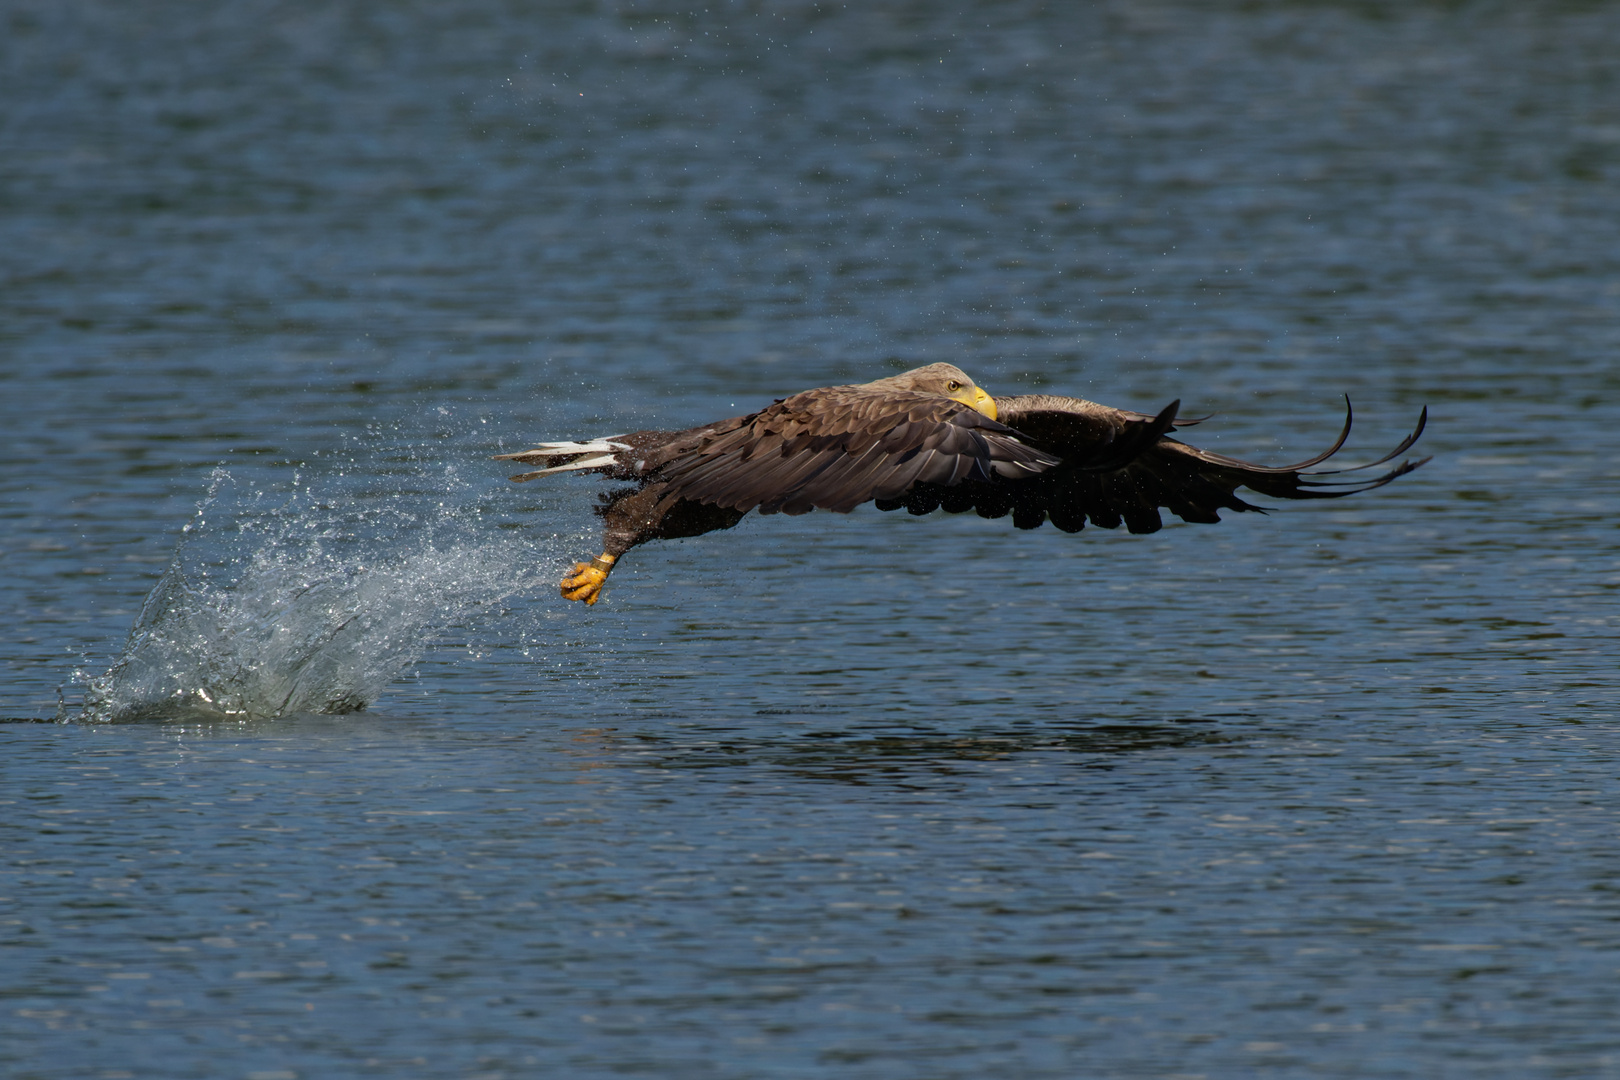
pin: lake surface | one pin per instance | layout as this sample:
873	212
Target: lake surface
1330	792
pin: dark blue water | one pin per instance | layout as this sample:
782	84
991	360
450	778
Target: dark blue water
1326	793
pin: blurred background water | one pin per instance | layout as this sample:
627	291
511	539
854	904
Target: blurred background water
1326	793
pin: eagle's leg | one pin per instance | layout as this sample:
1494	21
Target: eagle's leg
629	517
632	516
585	583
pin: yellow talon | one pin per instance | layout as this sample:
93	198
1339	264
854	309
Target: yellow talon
585	583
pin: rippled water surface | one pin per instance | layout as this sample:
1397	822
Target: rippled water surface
1326	793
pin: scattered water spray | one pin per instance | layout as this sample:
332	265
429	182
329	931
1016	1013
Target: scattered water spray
313	600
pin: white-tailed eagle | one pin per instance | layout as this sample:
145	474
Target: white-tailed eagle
925	440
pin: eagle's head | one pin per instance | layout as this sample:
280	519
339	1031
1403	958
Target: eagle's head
947	380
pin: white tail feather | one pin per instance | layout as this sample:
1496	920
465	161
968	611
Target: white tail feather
565	449
586	455
583	463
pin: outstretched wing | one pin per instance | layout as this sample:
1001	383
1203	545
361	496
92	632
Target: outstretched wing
839	446
1123	467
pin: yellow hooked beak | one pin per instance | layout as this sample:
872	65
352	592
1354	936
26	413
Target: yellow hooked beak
977	399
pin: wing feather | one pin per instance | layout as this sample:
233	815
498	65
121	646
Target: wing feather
838	447
1122	468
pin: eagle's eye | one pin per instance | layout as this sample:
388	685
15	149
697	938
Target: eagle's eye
953	386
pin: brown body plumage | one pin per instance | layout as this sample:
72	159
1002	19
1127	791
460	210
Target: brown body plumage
923	440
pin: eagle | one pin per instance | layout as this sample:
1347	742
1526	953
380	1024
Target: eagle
925	440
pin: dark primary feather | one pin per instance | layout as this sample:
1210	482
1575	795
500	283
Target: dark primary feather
1121	467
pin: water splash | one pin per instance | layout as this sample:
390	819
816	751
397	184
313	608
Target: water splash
308	602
